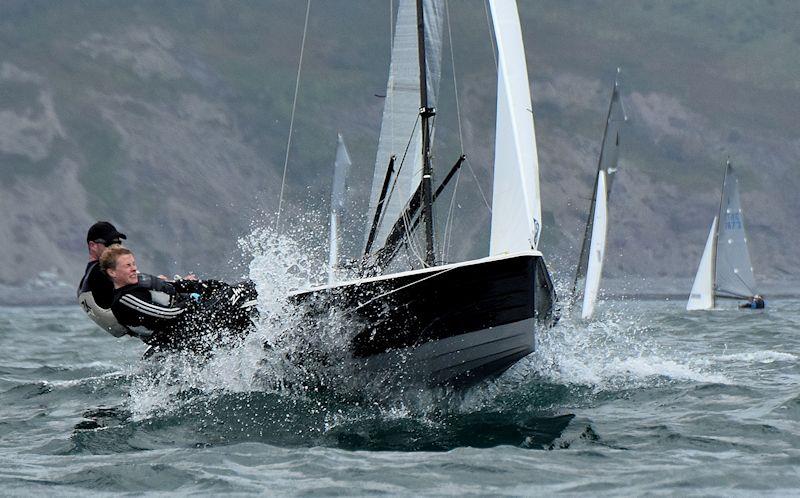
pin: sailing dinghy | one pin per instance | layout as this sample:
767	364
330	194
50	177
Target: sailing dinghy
456	323
725	270
593	247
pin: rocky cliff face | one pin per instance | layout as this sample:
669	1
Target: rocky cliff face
172	122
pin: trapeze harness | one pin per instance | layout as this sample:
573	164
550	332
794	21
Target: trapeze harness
95	295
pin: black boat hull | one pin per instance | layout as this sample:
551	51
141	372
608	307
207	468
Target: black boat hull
453	324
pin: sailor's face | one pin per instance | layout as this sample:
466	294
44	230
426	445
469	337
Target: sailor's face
124	273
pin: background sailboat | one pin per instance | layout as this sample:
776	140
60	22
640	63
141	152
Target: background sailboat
725	270
593	247
341	166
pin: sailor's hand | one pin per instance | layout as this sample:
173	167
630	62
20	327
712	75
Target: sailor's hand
163	277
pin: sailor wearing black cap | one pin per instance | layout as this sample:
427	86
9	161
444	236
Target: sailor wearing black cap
96	291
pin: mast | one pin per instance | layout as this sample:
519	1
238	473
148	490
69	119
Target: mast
425	113
716	234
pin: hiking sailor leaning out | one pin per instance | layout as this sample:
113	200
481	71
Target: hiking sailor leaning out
96	291
173	314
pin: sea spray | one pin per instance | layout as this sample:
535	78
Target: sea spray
284	353
289	364
615	351
278	264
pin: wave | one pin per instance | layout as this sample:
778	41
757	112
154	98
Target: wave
758	357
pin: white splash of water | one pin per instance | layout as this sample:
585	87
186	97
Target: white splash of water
279	264
758	357
615	351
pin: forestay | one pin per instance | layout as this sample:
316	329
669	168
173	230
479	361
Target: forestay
400	130
516	207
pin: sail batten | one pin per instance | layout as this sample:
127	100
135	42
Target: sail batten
516	206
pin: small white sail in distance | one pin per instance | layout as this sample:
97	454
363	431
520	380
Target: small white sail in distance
516	207
702	295
341	166
597	248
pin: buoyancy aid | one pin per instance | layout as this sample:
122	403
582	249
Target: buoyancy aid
103	317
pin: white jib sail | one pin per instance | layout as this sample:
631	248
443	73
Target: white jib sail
597	248
702	295
516	208
340	169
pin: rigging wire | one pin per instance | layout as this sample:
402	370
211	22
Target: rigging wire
391	28
397	174
478	183
491	30
458	103
494	56
448	234
448	223
410	284
455	80
291	121
411	242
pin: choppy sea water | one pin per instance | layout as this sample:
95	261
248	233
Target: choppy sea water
645	399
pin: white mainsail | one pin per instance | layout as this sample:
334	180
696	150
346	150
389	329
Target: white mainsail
734	273
702	295
341	166
607	164
516	206
400	127
597	248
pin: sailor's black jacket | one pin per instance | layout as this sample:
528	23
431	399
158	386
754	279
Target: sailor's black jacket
184	313
154	309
